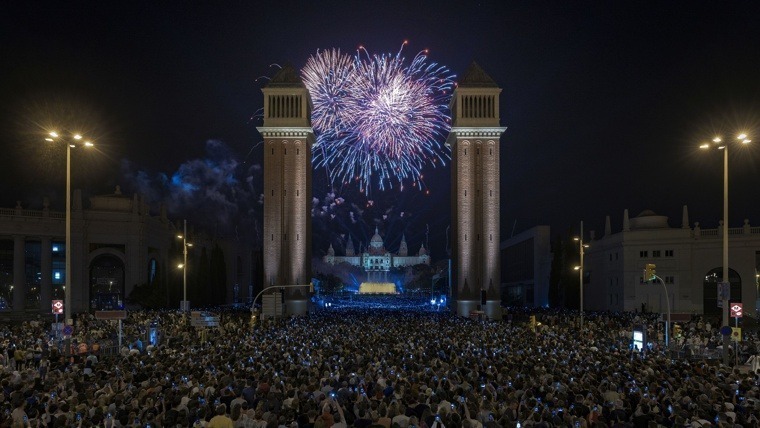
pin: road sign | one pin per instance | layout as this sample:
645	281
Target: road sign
68	330
271	305
110	315
736	310
736	334
57	307
203	319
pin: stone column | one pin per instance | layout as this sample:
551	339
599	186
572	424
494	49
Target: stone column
19	276
46	277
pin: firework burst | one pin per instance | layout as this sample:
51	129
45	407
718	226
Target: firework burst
378	119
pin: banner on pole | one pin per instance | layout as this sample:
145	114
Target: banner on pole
724	292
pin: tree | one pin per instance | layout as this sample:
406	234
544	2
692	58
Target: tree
328	283
419	277
147	295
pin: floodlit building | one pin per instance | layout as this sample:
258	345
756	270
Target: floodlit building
687	258
116	245
376	260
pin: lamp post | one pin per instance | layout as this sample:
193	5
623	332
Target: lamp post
70	144
721	145
185	244
651	275
581	249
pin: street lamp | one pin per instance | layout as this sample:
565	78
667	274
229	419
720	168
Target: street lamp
73	141
581	247
185	307
725	283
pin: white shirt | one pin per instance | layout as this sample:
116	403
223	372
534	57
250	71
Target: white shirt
401	420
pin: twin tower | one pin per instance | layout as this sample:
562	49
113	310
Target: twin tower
475	191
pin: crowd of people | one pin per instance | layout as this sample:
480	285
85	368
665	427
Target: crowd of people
343	367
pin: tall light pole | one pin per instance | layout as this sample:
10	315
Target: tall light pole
581	248
71	143
650	274
184	306
721	145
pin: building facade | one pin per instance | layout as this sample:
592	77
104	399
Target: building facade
687	258
116	245
475	193
526	261
376	261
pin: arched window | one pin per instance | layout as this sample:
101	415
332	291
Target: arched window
106	283
710	289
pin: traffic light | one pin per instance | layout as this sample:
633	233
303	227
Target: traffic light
676	330
649	272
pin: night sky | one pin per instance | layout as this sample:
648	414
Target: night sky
605	104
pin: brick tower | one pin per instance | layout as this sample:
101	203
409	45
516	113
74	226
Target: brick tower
474	143
288	138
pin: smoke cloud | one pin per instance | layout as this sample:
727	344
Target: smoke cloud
217	193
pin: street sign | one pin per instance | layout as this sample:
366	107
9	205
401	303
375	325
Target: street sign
110	315
736	310
736	334
68	330
57	307
203	319
271	306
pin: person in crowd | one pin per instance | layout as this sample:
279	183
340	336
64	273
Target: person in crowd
366	367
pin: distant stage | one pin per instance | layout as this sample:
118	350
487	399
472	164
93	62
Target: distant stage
394	301
377	288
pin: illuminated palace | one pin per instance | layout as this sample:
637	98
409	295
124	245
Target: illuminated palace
474	141
377	261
